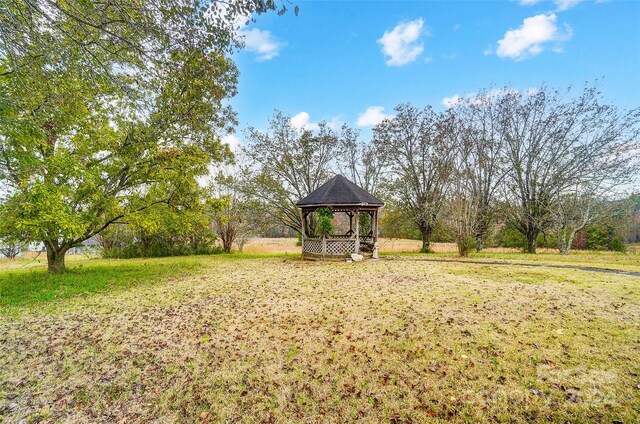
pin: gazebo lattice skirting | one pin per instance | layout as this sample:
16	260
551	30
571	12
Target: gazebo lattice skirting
342	196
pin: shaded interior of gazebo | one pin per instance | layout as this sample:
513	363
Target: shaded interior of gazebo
342	196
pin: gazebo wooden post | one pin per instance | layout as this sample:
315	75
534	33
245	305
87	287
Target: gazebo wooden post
350	214
375	234
357	243
304	228
324	245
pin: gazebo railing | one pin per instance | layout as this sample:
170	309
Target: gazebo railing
332	246
335	245
312	245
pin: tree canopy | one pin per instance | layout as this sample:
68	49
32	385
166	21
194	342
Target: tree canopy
109	108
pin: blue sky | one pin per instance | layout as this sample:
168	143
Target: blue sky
353	61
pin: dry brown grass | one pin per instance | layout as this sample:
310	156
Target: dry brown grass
260	340
288	245
272	245
388	247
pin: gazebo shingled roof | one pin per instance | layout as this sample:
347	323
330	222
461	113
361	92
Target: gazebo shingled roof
339	191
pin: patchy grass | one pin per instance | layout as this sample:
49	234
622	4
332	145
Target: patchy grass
25	283
272	339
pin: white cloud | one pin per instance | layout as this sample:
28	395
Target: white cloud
565	4
261	43
528	40
402	44
336	122
450	102
561	5
479	98
532	91
303	121
232	141
528	2
371	117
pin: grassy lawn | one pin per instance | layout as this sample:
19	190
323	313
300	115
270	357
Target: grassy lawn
33	287
251	339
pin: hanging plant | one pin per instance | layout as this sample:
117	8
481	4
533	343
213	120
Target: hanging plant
325	221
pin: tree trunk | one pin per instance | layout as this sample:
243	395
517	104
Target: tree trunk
532	235
482	226
479	243
565	240
226	245
55	259
463	248
426	238
227	238
311	225
241	242
227	234
481	234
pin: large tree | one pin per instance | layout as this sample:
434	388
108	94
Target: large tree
235	217
555	142
363	162
465	195
286	163
78	161
109	108
592	188
480	158
419	147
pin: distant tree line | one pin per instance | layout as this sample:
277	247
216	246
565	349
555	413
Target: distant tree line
503	166
500	168
111	118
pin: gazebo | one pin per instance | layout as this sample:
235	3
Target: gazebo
341	195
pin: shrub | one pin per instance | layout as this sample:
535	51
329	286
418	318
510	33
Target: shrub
125	241
604	237
510	237
140	251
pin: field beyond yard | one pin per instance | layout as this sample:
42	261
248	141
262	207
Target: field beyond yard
250	338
